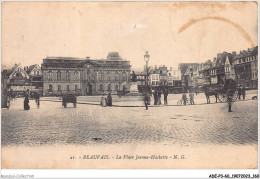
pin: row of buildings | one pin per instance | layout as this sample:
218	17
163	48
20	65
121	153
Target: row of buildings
82	76
85	76
242	67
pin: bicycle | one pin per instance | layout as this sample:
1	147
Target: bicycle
181	102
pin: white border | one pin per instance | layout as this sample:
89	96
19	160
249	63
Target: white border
130	173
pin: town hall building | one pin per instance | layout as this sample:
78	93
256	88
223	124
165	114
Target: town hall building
86	76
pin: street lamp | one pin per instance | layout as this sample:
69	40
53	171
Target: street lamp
146	59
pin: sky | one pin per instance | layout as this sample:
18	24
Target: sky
172	32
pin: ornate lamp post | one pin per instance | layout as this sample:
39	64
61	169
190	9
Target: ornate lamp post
146	59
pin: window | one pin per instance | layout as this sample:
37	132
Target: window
101	87
68	87
124	77
109	87
116	79
49	76
76	75
116	87
153	82
59	88
76	88
58	76
50	88
67	75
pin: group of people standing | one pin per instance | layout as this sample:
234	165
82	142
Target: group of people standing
157	94
185	99
106	101
26	102
241	91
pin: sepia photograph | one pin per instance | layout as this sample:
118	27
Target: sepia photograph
129	85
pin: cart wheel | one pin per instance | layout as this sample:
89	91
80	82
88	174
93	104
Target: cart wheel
179	102
187	102
232	94
222	98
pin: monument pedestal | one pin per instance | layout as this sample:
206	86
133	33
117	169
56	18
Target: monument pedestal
133	90
133	87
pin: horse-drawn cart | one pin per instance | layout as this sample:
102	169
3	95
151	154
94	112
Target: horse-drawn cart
222	92
228	90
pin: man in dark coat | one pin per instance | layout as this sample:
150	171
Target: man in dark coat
26	102
184	98
159	97
165	96
37	99
146	101
109	99
229	100
239	92
243	91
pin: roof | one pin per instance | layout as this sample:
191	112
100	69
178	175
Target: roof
71	62
30	68
11	70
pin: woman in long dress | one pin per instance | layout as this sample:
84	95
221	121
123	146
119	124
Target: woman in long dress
26	102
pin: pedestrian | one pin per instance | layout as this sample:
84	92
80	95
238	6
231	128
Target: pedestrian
109	99
26	102
184	98
243	91
191	98
146	101
8	99
155	95
159	97
103	102
37	99
239	93
229	99
165	94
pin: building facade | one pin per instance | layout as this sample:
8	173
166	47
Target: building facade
16	79
35	75
85	76
246	68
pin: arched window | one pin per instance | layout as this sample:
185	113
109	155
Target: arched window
124	77
76	75
49	76
101	87
67	75
58	76
50	88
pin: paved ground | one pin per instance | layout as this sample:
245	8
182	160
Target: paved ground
184	125
138	100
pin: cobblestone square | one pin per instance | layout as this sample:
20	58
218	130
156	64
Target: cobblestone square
87	124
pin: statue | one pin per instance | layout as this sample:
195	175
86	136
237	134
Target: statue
134	79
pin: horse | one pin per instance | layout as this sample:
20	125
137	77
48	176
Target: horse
209	93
